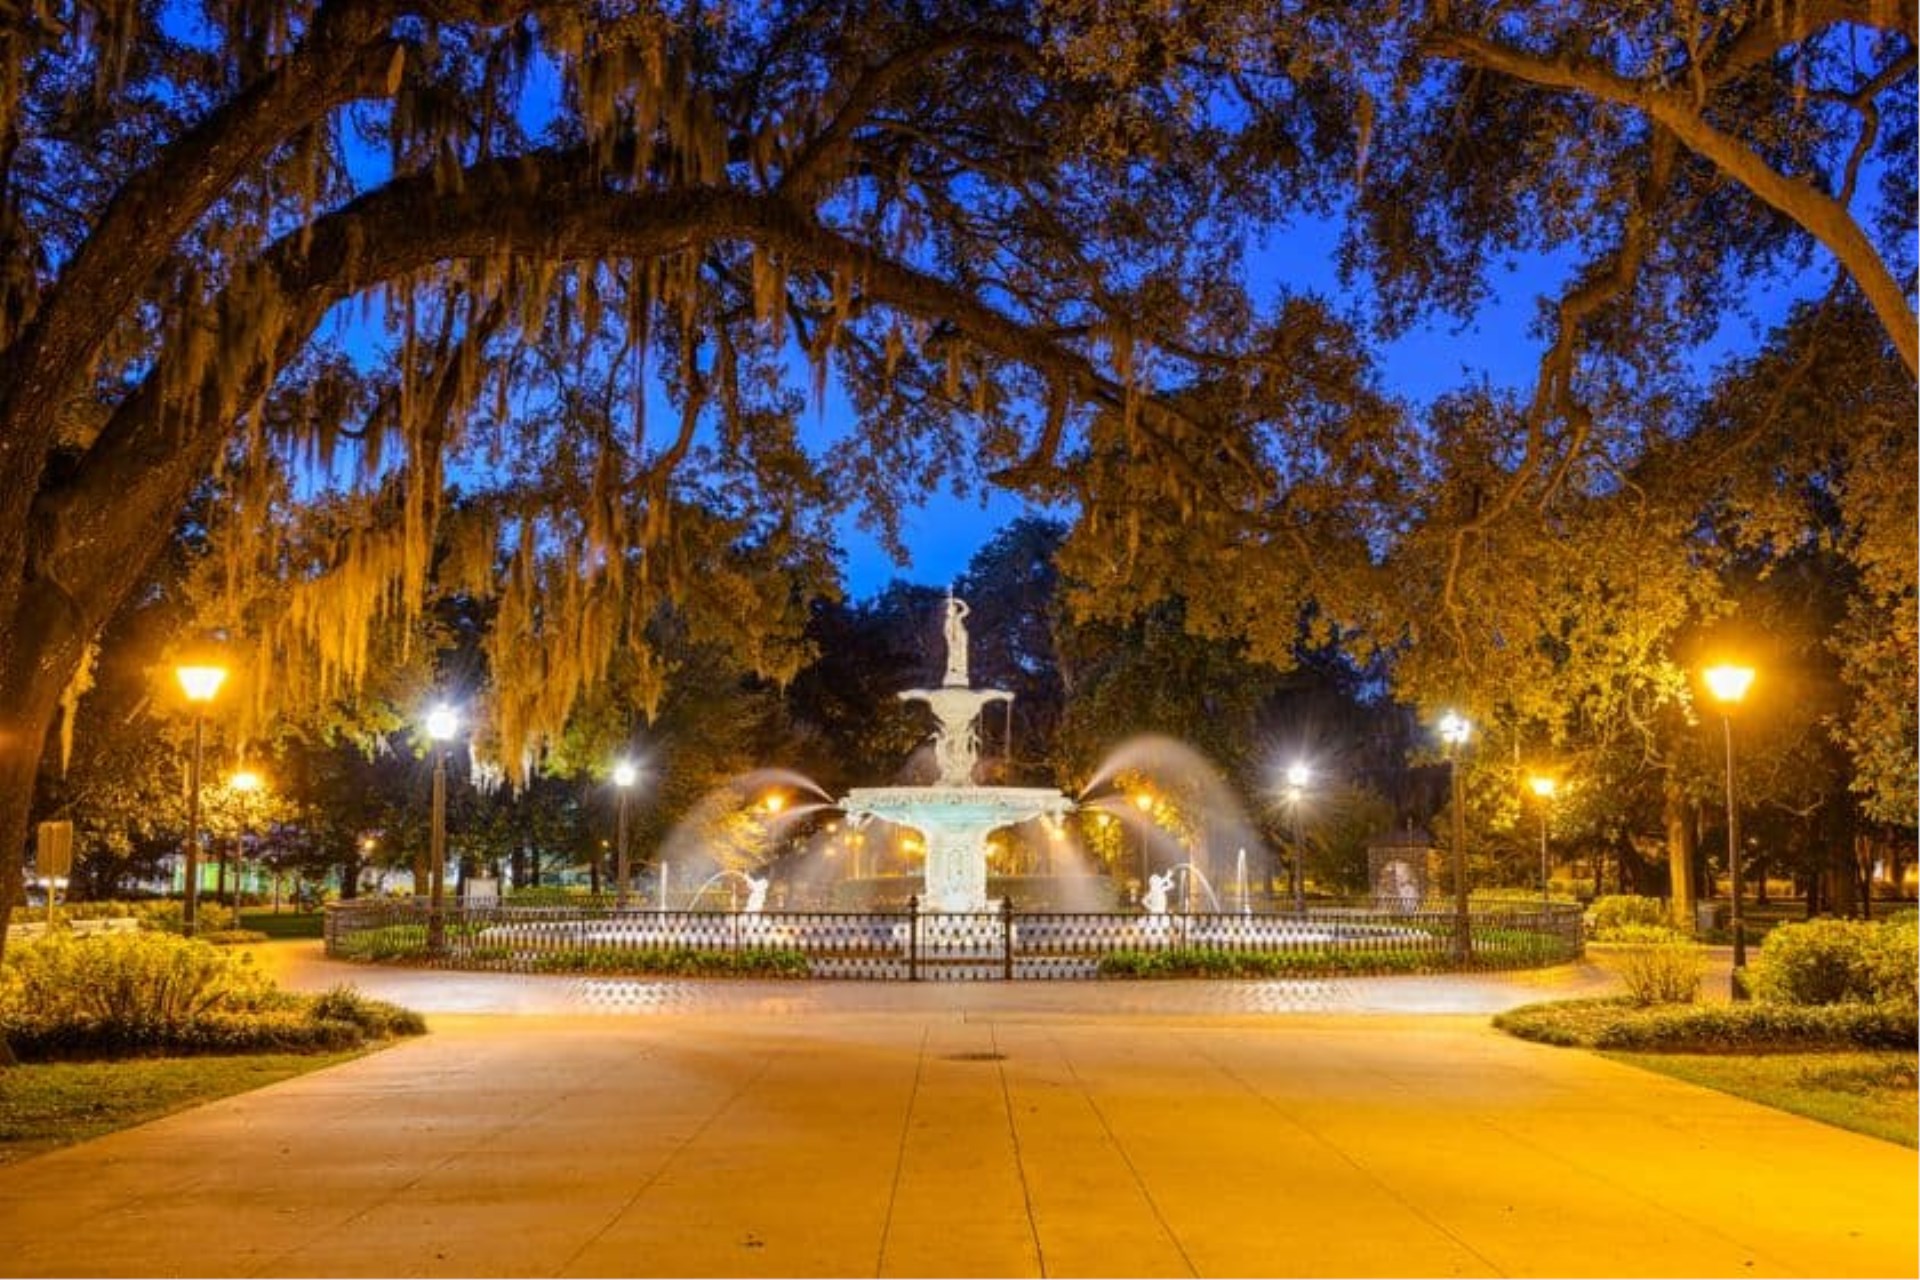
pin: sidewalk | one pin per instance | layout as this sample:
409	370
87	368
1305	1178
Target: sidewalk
1078	1129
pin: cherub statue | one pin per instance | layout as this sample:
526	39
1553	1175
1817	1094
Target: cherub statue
756	894
1155	898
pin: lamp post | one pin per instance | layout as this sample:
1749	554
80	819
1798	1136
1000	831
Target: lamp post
442	723
1143	801
1728	682
244	783
199	683
1543	787
1298	776
624	776
1454	731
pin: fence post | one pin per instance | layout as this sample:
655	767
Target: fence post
913	938
1006	937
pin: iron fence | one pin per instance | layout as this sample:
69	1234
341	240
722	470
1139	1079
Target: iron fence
598	936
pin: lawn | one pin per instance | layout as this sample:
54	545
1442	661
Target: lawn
46	1105
284	924
1868	1092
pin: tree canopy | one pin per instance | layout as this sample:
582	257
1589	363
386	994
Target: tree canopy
529	309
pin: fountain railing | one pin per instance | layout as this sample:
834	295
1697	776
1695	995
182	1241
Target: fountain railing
596	936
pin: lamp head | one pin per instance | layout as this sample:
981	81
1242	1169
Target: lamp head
442	723
1454	728
1543	786
246	781
1143	801
1298	775
1728	681
624	774
200	682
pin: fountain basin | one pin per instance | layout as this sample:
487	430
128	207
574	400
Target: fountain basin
955	823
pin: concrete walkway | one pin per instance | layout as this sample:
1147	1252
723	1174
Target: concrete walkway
1079	1129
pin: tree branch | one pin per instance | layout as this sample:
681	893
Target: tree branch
1797	199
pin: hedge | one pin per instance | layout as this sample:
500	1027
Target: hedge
1713	1028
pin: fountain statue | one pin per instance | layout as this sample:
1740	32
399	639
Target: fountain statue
1154	900
954	815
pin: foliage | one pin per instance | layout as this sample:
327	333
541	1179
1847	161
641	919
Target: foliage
153	993
376	1019
1198	962
1613	912
1823	962
1756	1027
678	962
1661	970
165	915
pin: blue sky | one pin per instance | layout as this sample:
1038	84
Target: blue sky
944	532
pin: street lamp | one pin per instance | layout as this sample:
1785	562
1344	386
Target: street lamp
1298	776
1728	682
1543	787
1143	801
199	683
442	723
1454	731
624	776
244	783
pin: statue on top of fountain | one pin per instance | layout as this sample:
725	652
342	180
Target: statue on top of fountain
955	704
956	633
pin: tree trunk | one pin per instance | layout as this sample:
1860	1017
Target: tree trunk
1680	855
1843	889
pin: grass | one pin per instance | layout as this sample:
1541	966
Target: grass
47	1105
283	924
1871	1093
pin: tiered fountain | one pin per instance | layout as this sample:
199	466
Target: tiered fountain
954	816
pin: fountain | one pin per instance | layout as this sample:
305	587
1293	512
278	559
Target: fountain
756	887
954	816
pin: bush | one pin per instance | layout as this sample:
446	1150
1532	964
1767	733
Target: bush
1712	1028
679	962
131	979
1195	962
114	995
167	915
1818	962
1662	970
1618	911
374	1018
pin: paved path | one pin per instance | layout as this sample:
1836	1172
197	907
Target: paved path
1086	1129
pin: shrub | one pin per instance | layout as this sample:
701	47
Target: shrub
1835	962
1712	1028
681	962
1662	970
131	979
1195	962
112	995
375	1018
166	915
1618	911
1718	1028
1894	963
